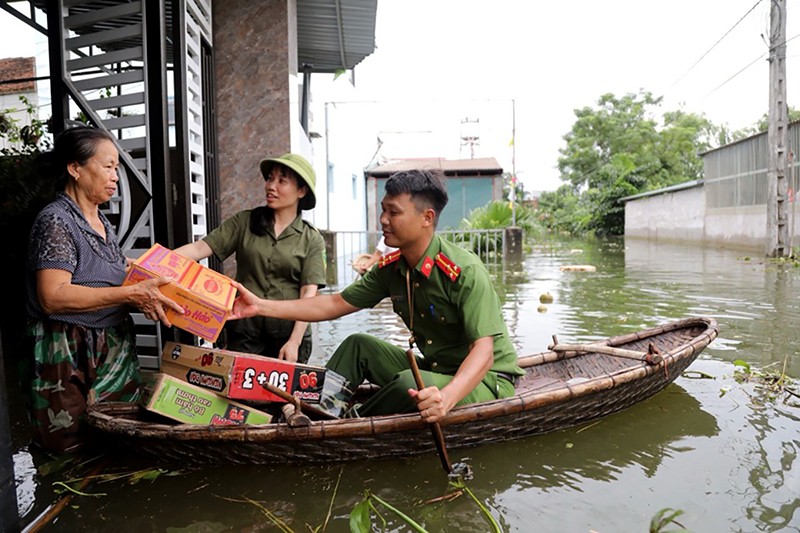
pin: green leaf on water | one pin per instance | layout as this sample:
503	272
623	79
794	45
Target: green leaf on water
743	364
664	518
359	517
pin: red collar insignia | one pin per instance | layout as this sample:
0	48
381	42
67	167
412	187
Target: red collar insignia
388	259
427	266
447	266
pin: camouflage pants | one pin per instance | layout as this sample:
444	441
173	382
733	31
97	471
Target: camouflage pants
75	365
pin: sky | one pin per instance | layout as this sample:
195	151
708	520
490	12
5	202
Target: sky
439	62
518	69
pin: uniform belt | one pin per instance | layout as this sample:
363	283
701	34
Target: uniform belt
507	377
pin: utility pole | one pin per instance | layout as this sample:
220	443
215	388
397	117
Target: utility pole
777	137
513	193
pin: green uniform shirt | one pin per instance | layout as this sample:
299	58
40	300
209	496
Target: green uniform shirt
272	267
448	315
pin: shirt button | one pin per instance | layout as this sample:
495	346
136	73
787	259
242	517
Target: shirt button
441	318
422	315
416	284
429	342
434	364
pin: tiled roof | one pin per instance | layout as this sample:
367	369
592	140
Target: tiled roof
15	68
485	166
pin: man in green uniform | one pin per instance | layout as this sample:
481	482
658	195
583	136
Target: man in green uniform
444	295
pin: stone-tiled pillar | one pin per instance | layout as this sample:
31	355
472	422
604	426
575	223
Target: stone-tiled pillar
252	56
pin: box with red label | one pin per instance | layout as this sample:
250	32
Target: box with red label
206	295
241	376
181	401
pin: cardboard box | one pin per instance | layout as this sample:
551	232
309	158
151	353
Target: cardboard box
205	294
178	400
239	376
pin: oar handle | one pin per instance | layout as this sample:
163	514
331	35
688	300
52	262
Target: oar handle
436	429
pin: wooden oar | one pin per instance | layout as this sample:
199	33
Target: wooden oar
294	417
436	429
298	403
650	357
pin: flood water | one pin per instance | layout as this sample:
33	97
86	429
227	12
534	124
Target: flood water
715	449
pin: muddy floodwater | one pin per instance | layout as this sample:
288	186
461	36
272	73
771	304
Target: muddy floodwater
718	450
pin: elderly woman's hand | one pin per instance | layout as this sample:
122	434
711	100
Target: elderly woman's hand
152	302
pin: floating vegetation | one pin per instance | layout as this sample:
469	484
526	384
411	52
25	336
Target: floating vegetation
360	521
771	384
696	374
280	524
663	519
61	487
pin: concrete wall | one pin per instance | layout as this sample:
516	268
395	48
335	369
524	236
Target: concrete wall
676	216
682	216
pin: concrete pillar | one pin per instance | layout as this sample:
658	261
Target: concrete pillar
254	55
9	517
513	249
331	270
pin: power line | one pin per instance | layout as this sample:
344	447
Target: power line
714	45
746	67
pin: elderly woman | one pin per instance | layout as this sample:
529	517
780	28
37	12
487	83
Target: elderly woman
278	256
80	328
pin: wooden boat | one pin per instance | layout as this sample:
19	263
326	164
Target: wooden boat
560	389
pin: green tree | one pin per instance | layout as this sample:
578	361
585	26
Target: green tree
618	148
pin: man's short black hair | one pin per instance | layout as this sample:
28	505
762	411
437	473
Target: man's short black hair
427	188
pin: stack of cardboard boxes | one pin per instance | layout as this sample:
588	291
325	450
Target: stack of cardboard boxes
198	385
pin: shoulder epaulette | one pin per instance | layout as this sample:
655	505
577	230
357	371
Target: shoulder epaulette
388	259
447	266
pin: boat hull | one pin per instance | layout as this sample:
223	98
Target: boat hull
559	390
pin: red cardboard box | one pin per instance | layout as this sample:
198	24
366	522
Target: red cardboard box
239	375
206	295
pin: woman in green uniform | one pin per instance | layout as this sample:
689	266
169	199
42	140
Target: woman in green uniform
279	256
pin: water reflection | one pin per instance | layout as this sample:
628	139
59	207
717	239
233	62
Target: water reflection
642	436
770	464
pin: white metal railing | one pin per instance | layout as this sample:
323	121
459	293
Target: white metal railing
488	244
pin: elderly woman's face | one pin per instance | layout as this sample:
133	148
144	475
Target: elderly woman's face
97	178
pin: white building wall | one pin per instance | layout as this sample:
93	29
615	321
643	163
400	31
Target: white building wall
346	150
673	216
683	216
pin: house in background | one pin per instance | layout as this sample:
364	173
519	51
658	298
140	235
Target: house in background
471	183
20	71
728	207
